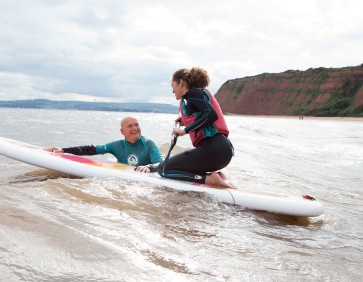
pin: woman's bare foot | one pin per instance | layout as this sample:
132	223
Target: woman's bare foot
216	179
224	178
222	175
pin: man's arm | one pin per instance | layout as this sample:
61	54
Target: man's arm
81	150
153	167
154	152
155	158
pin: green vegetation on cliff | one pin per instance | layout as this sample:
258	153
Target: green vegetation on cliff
314	92
340	103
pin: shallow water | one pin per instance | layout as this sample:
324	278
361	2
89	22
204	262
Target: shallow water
57	227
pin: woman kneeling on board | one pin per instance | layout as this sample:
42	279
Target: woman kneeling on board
204	121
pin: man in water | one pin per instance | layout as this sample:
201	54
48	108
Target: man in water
134	150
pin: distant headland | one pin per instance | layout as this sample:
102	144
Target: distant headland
91	106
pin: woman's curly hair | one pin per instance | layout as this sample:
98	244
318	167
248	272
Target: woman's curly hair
194	77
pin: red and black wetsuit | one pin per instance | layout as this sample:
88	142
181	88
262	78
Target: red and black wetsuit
208	131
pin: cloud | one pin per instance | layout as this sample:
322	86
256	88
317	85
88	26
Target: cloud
119	51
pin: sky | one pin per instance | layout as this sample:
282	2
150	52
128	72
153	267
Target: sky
127	51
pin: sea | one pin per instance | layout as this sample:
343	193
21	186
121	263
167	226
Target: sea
57	227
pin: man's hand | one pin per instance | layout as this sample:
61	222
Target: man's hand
54	150
143	169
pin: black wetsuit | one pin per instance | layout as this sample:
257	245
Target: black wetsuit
211	154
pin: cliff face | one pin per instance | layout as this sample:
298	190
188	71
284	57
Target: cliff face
317	92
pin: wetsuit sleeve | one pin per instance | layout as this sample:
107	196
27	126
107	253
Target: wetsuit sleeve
154	152
199	105
103	149
81	150
153	167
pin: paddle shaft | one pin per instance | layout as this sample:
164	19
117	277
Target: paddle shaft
173	142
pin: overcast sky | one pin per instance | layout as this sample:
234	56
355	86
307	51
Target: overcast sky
127	51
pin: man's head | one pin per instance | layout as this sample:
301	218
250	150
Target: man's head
130	128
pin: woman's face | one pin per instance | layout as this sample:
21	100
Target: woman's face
179	88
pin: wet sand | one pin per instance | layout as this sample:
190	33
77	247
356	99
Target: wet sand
358	119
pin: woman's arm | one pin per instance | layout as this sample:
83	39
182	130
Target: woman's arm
198	103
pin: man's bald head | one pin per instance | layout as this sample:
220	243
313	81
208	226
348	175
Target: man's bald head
130	128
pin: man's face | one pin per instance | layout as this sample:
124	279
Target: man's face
130	128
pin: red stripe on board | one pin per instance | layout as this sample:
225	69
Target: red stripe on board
87	161
215	187
75	158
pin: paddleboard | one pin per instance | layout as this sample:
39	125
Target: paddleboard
86	167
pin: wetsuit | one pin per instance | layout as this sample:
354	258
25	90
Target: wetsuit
213	149
141	153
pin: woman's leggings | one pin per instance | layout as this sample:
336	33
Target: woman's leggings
210	155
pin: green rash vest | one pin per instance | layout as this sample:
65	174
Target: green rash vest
141	153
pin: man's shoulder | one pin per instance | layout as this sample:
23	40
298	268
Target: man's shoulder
116	143
150	144
148	141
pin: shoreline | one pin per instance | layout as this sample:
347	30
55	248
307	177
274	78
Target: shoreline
358	119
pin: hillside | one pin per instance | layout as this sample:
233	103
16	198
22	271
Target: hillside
90	106
314	92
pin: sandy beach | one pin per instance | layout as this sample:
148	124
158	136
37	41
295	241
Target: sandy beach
358	119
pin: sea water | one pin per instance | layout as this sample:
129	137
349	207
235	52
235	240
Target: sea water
55	227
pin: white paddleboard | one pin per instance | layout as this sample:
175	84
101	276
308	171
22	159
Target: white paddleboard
84	167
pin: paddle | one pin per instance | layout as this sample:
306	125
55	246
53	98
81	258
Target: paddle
173	142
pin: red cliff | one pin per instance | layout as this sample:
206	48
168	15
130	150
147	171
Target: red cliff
317	92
